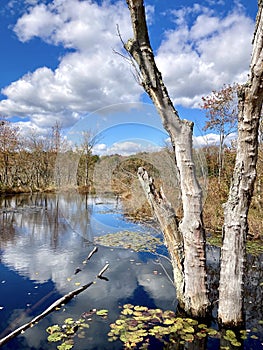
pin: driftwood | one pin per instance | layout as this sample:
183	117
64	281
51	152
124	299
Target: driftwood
63	300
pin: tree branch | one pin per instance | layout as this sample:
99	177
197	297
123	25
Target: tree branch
63	300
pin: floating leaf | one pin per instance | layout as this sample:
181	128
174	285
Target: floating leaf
127	312
56	336
70	328
54	328
140	308
201	335
211	331
84	325
137	241
254	336
188	337
65	346
102	312
204	326
230	334
137	323
235	343
69	320
168	321
191	321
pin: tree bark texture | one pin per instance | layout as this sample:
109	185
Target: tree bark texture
169	225
236	208
195	300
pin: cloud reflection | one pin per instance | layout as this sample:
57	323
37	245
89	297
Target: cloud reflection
41	254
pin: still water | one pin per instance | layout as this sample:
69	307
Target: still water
45	238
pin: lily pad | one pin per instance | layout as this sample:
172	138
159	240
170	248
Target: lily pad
71	327
138	324
102	313
137	241
56	336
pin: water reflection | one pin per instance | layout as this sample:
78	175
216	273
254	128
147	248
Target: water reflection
44	238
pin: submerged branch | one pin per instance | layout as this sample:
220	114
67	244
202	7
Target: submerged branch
63	300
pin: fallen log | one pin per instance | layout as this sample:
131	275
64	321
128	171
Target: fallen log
63	300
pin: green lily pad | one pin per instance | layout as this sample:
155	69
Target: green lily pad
56	336
201	335
254	336
211	331
65	346
236	343
54	328
65	333
138	323
102	312
69	321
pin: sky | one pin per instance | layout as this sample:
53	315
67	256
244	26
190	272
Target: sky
59	63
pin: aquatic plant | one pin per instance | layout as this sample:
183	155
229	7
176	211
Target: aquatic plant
138	324
137	241
71	328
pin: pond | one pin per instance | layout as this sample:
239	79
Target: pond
45	243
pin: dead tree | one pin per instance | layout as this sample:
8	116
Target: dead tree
236	208
194	297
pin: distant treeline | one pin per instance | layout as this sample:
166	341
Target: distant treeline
49	163
41	163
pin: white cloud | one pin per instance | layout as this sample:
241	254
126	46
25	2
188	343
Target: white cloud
88	78
195	59
100	148
212	139
125	148
39	22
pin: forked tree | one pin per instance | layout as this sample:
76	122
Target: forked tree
186	239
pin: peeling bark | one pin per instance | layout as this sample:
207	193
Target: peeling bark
169	225
236	208
194	299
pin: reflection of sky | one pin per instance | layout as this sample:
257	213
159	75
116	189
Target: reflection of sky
40	259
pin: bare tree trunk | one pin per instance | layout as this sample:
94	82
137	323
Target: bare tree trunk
169	226
194	300
236	208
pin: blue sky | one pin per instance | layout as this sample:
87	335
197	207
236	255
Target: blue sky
57	63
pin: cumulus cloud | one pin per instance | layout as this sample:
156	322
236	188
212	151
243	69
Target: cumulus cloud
125	148
199	57
89	76
212	140
200	53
